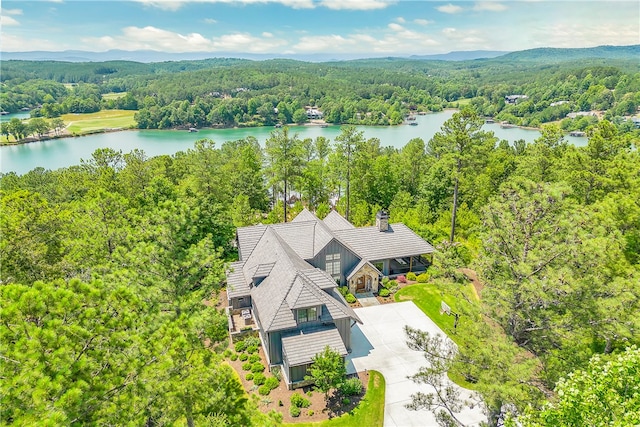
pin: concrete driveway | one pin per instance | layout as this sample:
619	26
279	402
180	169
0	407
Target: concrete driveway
380	344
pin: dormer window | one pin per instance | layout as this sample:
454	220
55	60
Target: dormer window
307	314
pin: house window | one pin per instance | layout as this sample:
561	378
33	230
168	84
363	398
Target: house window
332	265
307	314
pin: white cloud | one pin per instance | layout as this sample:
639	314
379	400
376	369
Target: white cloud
571	34
395	43
210	21
11	43
490	6
152	38
5	17
355	4
11	11
400	20
7	21
423	22
267	34
395	27
173	5
465	39
449	8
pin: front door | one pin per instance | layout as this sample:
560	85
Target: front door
360	284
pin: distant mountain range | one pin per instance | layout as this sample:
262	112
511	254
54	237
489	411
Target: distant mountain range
558	54
147	56
462	55
154	56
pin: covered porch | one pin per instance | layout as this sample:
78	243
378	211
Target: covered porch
393	267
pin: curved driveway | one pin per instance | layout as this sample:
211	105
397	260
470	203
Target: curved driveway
380	344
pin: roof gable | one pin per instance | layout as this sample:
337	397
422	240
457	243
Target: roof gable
334	221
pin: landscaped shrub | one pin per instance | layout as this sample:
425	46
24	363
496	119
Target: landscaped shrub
252	349
249	376
272	383
240	346
251	341
275	371
310	412
275	416
243	357
401	279
423	278
384	292
299	401
264	390
350	298
385	280
343	290
392	284
351	387
411	276
227	353
246	366
294	411
259	378
256	367
234	357
280	403
254	358
346	401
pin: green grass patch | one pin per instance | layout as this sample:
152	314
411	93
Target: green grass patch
462	102
93	122
370	411
113	95
428	298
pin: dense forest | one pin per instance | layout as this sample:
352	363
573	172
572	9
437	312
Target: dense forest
233	92
108	266
105	265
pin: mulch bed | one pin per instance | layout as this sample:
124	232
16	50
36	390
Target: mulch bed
281	394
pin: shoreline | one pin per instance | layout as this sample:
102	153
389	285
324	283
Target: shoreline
314	123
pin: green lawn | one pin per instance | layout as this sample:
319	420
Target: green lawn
428	297
113	95
369	413
105	119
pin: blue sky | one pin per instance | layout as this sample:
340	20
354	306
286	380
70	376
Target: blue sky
361	28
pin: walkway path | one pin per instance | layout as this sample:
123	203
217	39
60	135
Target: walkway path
367	299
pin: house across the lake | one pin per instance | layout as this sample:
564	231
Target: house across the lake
285	284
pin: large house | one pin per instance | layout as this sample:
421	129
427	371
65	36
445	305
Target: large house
285	283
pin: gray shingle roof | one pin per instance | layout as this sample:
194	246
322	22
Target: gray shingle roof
288	285
237	285
335	221
248	238
307	238
300	349
372	244
305	215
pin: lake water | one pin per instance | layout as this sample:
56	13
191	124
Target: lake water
58	153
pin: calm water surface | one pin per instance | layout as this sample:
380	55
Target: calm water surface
58	153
